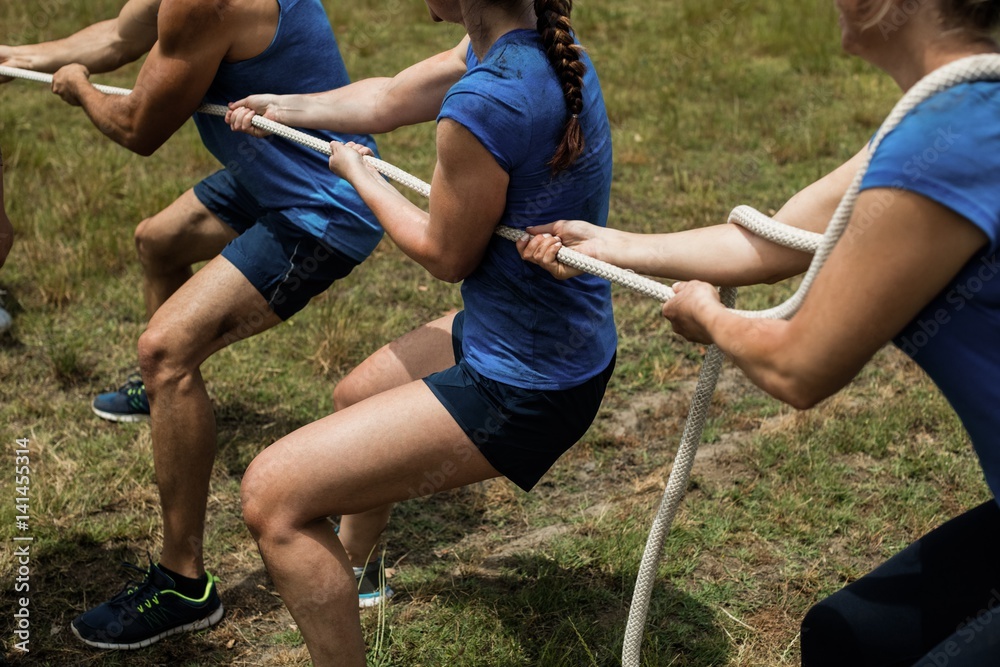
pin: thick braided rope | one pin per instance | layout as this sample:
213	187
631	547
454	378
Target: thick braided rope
973	68
967	69
577	260
680	473
610	272
284	131
767	228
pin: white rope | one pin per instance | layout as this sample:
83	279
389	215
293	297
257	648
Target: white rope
577	260
767	228
967	69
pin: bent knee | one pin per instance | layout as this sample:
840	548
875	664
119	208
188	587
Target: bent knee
266	508
164	242
152	243
253	500
154	350
375	375
350	390
344	394
164	357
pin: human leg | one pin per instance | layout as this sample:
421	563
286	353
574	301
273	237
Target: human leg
192	325
415	355
189	230
189	327
368	455
169	242
267	274
898	613
975	643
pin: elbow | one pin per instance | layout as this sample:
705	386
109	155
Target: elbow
140	145
799	392
132	136
144	151
450	269
449	274
804	400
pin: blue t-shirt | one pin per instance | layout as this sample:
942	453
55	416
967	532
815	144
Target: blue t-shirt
522	326
283	176
948	150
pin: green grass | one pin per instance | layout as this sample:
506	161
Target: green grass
713	103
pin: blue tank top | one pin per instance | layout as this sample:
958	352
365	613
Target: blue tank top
303	57
948	150
522	326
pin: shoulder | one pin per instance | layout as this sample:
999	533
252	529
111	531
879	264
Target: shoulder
948	150
508	77
952	131
950	119
191	19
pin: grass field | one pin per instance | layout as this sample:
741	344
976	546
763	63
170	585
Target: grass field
713	103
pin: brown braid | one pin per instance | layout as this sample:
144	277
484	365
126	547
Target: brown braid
557	36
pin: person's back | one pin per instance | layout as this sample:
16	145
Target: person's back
522	326
284	175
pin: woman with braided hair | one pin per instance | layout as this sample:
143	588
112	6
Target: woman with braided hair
502	388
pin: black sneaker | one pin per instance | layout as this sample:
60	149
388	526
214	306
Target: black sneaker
145	613
372	589
128	404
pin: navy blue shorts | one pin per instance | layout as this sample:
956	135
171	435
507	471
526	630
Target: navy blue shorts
287	265
521	432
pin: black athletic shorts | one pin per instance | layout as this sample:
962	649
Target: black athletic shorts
521	432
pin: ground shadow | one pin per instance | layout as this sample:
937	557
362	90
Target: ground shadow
559	616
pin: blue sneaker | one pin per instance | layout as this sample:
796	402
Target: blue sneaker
146	612
128	404
372	589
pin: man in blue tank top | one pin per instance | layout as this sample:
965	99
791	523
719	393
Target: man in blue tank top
278	227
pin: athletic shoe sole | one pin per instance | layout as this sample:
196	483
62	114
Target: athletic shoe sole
374	599
201	624
115	417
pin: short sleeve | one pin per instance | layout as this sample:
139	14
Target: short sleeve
496	115
948	150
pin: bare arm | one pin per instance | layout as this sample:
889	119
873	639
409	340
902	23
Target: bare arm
876	281
721	254
468	196
101	47
369	106
193	40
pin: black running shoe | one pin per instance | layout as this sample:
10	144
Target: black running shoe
145	613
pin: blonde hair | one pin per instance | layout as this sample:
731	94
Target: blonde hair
877	10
